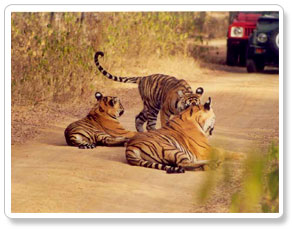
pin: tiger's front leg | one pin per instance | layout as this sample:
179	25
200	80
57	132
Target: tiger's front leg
151	119
164	118
140	119
108	140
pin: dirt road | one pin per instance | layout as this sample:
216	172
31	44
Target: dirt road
49	176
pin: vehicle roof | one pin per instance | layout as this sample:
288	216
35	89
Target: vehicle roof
272	16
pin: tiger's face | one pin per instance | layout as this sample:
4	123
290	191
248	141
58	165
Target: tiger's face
204	116
189	98
108	105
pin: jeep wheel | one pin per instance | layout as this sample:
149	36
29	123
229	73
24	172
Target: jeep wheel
252	66
274	41
232	57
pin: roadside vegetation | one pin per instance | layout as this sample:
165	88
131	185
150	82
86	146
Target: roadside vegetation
52	53
250	185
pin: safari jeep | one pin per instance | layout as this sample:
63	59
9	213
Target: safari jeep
263	45
241	27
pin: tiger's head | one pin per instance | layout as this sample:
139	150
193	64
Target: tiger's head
107	105
203	115
186	99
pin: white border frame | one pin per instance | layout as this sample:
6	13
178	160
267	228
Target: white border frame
131	8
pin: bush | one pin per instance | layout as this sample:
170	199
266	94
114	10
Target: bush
52	53
260	184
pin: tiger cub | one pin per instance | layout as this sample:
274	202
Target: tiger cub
159	92
100	127
180	145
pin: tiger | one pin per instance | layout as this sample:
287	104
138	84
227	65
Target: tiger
159	92
100	127
180	145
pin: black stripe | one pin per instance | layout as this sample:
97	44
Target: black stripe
176	155
163	152
153	149
181	160
152	118
143	151
198	143
176	102
170	112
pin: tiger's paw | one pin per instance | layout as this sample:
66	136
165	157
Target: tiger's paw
87	146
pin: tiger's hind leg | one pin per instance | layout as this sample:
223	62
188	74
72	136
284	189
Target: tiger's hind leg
181	160
80	141
152	118
141	118
133	157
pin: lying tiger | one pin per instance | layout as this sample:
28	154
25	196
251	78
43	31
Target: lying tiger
159	92
100	127
180	145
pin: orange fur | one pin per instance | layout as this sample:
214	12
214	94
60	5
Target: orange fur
181	144
100	126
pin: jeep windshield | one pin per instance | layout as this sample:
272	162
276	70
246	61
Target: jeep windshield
267	24
247	15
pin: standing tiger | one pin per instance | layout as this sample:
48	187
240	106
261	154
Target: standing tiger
100	126
158	92
180	145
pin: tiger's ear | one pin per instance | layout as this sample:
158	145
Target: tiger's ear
199	91
98	96
180	93
207	105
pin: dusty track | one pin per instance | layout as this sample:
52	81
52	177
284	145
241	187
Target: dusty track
48	176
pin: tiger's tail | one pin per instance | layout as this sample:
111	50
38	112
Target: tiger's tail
110	76
137	161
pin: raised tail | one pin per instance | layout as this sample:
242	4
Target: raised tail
110	76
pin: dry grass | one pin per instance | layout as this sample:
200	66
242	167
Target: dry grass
52	54
53	72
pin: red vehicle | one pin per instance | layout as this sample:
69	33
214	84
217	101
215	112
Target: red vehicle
241	27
